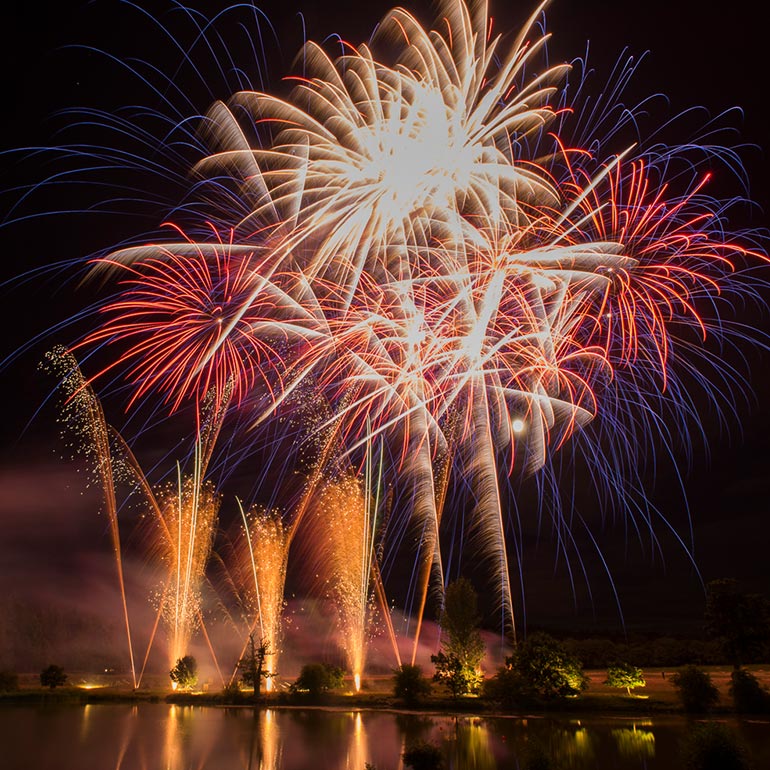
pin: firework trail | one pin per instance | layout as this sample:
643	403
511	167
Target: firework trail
343	530
189	515
84	416
182	531
182	518
426	249
258	566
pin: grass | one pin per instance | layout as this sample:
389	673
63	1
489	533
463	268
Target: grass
659	695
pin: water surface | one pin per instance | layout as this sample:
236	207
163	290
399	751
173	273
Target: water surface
160	736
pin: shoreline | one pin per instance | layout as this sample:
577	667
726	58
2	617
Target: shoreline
657	698
587	706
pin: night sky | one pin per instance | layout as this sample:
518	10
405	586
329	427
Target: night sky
52	545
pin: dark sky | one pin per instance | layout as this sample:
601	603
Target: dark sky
696	58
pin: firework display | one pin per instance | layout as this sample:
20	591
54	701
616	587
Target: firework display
344	527
260	556
434	251
188	520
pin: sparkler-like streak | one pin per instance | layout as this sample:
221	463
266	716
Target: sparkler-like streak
84	415
260	557
189	511
448	277
183	516
344	529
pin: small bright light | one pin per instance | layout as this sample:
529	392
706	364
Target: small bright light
517	425
357	681
174	685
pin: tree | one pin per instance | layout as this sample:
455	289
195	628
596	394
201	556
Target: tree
458	665
252	665
53	676
409	684
458	678
625	675
542	666
748	694
740	621
316	679
696	690
185	672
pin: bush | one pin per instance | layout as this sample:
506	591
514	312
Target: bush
53	676
696	690
317	678
457	677
545	668
508	689
748	695
424	756
9	682
713	746
232	693
185	672
625	675
409	684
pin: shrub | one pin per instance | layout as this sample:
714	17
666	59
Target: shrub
423	756
508	689
232	693
409	684
53	676
545	668
185	672
696	690
625	675
748	695
457	677
317	678
9	682
712	746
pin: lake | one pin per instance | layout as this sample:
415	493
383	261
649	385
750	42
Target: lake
154	736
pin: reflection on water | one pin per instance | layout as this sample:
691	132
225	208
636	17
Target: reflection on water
639	741
472	745
148	737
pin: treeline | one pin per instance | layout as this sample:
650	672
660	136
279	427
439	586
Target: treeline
736	632
648	652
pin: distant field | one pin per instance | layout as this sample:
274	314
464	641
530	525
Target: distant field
660	687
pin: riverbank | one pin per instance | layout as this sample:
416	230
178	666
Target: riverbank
658	697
